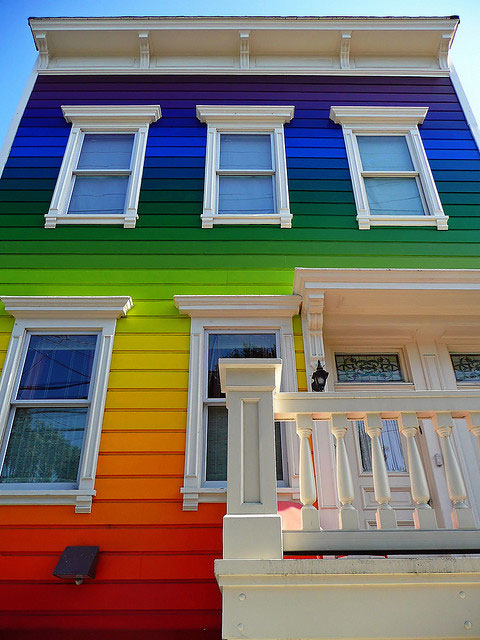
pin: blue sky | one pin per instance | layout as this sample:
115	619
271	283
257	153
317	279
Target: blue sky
17	53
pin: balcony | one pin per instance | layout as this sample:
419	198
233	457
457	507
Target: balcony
430	588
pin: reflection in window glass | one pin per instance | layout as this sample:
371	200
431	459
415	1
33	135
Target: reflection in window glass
57	367
384	153
235	345
391	446
44	445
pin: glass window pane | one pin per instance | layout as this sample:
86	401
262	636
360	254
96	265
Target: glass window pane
241	151
245	194
394	196
217	436
466	366
385	153
235	345
99	194
44	445
106	151
368	368
57	367
391	446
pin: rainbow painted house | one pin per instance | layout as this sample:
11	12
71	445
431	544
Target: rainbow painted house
199	217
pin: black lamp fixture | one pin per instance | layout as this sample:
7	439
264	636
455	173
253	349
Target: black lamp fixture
77	563
319	378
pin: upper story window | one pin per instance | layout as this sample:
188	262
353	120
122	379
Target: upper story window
391	178
245	165
466	367
368	368
99	180
52	393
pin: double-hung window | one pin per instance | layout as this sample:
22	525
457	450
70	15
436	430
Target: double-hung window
52	392
245	165
233	327
391	178
99	180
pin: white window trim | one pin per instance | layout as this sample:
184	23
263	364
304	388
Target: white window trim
389	121
102	119
245	119
44	313
248	313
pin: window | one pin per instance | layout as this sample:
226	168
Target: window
53	389
466	367
391	446
99	180
231	345
227	326
245	165
391	177
378	367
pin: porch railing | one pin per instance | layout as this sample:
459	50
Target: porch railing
252	526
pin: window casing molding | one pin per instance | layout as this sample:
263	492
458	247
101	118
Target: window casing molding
65	315
396	121
233	313
134	119
245	119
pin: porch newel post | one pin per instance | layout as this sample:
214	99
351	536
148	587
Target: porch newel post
252	527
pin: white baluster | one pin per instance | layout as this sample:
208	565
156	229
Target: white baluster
473	422
308	493
423	514
348	515
385	514
462	516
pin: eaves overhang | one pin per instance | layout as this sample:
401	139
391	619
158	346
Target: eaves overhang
245	45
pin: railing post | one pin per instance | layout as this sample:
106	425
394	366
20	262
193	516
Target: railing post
252	527
423	514
348	515
308	493
386	518
462	516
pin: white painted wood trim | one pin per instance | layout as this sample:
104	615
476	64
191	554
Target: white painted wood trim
245	118
232	313
398	121
17	116
464	103
64	314
102	118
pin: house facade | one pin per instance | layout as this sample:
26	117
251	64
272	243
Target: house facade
201	218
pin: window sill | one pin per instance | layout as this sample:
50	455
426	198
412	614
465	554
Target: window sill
128	222
284	219
80	498
366	221
374	386
219	495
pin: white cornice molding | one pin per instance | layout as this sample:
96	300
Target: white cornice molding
109	307
330	23
81	115
226	306
369	45
307	280
271	115
356	115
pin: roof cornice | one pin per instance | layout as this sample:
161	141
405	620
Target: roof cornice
328	45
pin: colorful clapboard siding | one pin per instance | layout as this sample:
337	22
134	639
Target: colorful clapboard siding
156	569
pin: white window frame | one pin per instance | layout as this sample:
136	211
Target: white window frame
66	315
233	313
86	119
245	119
389	121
